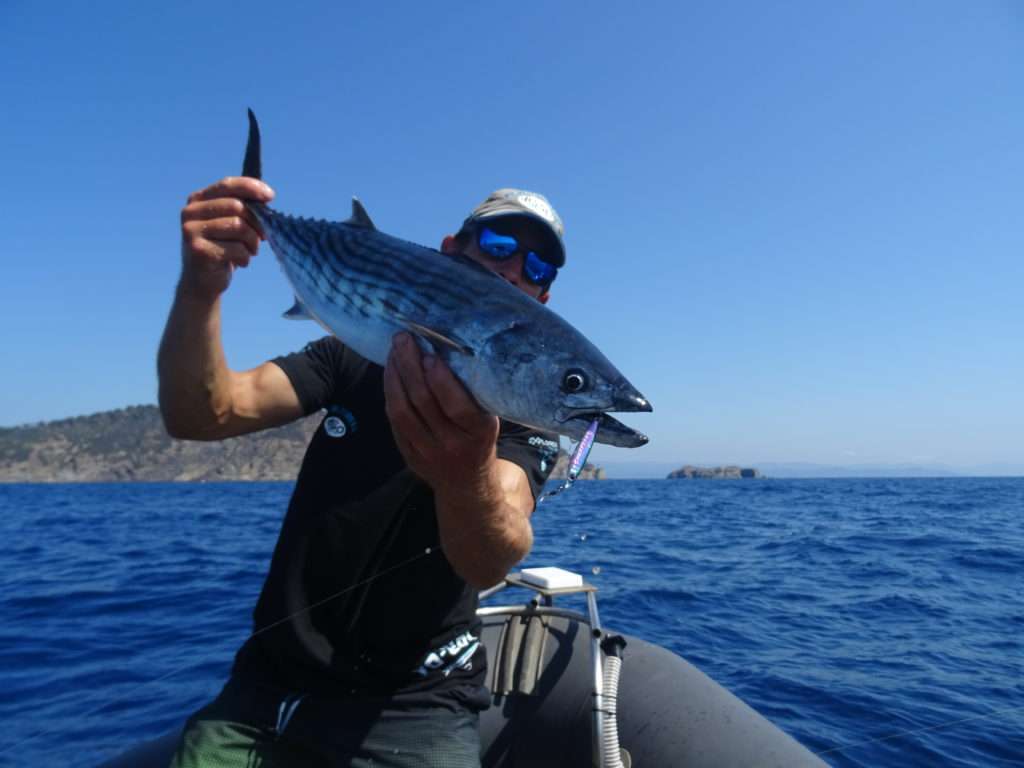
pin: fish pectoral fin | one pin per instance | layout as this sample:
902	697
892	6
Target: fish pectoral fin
438	338
298	312
359	218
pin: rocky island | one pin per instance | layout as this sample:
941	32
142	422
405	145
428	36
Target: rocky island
130	444
715	473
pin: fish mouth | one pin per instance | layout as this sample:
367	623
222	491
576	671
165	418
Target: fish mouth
610	431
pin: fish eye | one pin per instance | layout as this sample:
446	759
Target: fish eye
574	381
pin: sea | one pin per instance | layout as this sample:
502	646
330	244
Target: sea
878	621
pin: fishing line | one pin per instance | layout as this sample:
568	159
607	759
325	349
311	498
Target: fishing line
426	553
902	734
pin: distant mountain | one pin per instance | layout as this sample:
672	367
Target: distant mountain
130	444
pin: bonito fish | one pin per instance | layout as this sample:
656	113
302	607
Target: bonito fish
519	359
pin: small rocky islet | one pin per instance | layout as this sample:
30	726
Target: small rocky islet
728	472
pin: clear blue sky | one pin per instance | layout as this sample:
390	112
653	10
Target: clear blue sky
795	226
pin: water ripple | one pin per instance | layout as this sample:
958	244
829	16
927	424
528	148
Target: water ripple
877	620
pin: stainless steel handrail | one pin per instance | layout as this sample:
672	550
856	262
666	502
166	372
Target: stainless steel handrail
541	610
591	619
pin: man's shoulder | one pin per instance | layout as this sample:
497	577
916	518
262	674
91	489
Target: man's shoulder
327	352
326	345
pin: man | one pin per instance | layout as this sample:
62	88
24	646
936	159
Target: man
410	499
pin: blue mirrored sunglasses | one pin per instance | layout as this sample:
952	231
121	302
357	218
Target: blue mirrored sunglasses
501	247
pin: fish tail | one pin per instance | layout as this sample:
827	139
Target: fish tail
252	165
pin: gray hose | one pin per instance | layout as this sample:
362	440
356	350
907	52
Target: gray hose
612	668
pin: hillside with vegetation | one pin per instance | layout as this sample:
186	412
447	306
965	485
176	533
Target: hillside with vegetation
130	444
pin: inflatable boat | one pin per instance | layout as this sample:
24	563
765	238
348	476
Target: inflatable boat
566	692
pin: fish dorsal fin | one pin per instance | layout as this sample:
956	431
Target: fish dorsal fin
252	166
298	312
437	337
359	217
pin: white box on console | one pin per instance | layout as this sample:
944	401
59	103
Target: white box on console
552	578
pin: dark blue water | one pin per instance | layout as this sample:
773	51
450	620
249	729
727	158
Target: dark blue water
881	622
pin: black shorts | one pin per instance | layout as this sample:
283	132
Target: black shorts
249	725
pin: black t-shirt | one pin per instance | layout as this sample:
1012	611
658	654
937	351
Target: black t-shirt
359	599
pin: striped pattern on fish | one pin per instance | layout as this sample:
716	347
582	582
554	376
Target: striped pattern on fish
362	276
510	351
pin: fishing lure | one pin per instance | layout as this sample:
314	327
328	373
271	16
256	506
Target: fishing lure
578	459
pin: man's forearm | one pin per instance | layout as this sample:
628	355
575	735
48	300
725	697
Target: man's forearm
483	533
195	390
483	503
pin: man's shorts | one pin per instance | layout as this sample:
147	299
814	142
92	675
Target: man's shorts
255	727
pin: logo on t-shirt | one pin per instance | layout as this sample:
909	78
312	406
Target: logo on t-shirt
339	422
457	654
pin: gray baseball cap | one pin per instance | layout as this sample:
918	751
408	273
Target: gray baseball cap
519	202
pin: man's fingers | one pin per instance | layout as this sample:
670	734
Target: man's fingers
455	402
220	251
219	208
409	367
399	409
235	186
232	229
413	456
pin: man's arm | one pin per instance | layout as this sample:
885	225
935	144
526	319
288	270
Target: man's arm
200	397
483	503
485	530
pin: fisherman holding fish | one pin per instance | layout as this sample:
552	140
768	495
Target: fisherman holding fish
410	499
